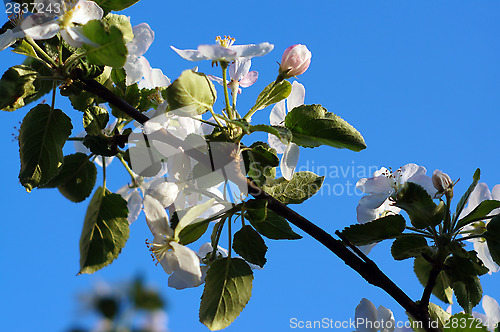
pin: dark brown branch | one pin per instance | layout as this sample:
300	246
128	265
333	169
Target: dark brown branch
366	268
431	282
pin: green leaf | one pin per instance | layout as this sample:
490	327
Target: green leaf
463	200
462	322
274	227
459	268
109	46
479	212
100	145
122	22
263	154
272	94
192	94
41	139
17	87
76	179
384	228
492	236
313	125
115	5
260	162
408	246
228	288
24	48
95	119
256	209
193	232
442	290
419	205
468	292
250	245
82	101
190	216
438	315
302	186
284	134
105	231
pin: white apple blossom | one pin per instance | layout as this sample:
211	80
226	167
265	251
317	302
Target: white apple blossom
74	14
371	319
385	184
290	151
491	316
137	67
172	256
10	36
224	50
381	187
368	318
240	74
479	194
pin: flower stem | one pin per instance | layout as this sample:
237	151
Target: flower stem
223	65
130	172
103	175
41	51
53	104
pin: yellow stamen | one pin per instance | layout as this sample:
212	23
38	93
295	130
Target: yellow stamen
224	42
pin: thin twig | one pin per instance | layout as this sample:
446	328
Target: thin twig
366	269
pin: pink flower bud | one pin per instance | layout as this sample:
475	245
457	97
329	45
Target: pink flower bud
295	61
443	183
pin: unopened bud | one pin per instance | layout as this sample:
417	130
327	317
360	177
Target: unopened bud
295	61
443	183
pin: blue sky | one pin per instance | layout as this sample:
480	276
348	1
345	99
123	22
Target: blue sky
420	80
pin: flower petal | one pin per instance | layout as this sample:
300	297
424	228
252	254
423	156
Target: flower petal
85	11
154	78
479	194
216	79
249	79
239	68
251	50
495	192
191	55
217	52
365	312
297	96
425	181
289	160
404	173
143	38
276	144
74	36
186	265
386	319
492	310
164	192
134	204
376	185
40	26
134	68
278	113
484	255
156	217
9	37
